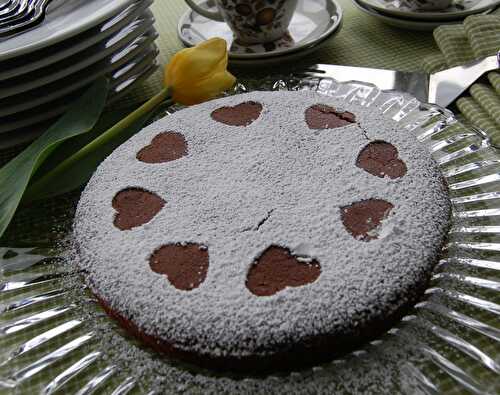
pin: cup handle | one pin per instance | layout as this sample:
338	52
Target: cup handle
216	16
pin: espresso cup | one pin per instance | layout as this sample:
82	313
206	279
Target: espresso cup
252	21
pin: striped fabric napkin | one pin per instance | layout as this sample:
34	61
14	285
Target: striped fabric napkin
477	37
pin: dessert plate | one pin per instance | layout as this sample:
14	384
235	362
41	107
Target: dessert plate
141	55
74	66
53	53
121	83
139	33
403	23
313	22
64	19
458	9
55	338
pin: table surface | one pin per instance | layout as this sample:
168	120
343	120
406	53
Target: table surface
362	41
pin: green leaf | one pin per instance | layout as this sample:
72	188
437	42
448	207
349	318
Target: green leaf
77	168
15	175
74	144
70	173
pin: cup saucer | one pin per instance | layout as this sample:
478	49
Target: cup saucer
458	9
313	22
402	23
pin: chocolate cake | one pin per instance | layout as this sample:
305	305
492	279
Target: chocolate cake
264	231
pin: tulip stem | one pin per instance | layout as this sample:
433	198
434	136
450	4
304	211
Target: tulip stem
134	116
108	135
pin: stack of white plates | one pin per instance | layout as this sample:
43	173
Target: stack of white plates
43	70
314	23
400	13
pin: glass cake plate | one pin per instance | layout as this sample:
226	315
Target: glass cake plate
54	338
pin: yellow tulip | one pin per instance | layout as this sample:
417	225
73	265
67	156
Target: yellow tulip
197	74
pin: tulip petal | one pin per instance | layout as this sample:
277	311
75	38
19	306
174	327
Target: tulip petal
206	57
173	66
199	73
202	90
198	62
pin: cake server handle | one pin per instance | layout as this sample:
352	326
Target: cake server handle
445	86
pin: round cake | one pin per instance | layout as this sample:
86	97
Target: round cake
263	231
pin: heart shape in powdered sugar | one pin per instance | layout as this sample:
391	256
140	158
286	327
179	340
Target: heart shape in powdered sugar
165	147
242	114
362	218
184	265
381	159
135	207
277	269
321	116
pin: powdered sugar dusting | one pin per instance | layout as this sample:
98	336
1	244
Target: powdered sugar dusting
217	196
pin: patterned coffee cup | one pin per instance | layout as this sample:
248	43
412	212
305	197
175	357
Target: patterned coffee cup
252	21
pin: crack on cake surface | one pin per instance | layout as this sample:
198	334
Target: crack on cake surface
261	222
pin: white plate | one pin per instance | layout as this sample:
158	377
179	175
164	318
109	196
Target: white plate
408	24
121	76
76	63
119	88
459	9
59	78
313	21
137	53
64	19
54	53
39	96
33	98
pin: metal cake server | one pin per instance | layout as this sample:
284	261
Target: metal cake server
9	8
20	12
447	85
440	88
32	15
26	7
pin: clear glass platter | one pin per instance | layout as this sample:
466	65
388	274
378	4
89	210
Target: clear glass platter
54	338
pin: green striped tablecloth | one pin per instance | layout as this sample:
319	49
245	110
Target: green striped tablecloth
476	38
